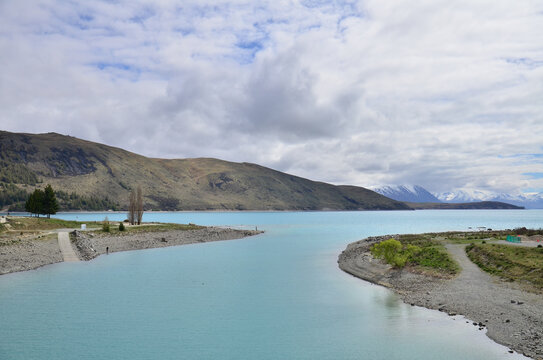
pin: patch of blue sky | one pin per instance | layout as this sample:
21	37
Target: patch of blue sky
119	70
86	17
183	30
250	45
247	48
532	156
535	158
531	190
526	62
105	65
243	57
534	175
316	3
143	15
344	9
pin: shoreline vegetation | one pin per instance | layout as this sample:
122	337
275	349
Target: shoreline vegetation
29	243
503	295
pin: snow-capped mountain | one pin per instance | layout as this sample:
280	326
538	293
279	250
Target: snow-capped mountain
529	200
410	193
416	193
464	196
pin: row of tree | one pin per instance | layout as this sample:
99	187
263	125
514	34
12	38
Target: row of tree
42	202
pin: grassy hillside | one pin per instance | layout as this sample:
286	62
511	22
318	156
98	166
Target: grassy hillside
95	171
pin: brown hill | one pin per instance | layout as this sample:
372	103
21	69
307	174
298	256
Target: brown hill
96	171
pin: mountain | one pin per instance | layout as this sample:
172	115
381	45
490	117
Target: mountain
529	201
88	172
463	206
409	193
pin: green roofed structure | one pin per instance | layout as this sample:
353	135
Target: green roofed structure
513	238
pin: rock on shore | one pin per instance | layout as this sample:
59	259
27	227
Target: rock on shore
512	317
29	254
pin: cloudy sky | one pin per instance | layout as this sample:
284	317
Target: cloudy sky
444	94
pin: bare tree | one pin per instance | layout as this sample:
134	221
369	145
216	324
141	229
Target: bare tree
139	205
132	207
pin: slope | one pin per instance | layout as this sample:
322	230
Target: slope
96	170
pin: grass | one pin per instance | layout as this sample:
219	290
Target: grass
432	258
523	265
33	223
158	227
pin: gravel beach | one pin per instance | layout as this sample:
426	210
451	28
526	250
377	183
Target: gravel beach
29	254
511	317
88	246
32	253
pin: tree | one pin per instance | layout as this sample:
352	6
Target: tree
49	202
139	205
135	206
105	225
34	203
132	208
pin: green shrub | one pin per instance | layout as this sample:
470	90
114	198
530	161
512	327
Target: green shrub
121	227
105	225
393	252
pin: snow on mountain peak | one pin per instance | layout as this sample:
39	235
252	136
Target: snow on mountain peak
411	193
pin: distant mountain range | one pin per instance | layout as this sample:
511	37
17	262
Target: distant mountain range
529	201
418	194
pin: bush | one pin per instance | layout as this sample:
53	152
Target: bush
105	225
393	252
121	227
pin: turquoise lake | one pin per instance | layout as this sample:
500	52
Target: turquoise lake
279	295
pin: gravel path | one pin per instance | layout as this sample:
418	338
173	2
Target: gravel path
68	253
511	316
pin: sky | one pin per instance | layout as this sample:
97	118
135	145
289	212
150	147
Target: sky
446	94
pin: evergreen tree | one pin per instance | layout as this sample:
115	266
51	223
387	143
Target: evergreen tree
34	204
49	203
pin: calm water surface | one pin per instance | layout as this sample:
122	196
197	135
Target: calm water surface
279	295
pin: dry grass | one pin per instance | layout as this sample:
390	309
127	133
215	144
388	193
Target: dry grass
523	265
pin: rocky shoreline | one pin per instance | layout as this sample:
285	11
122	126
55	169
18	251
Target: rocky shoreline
511	316
29	254
88	246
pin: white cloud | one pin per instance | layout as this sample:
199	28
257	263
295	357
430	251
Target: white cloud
438	93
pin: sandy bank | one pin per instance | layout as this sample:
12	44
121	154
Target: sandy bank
511	316
32	253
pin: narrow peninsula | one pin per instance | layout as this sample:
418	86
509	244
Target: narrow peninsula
29	243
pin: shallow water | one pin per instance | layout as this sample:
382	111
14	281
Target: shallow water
279	295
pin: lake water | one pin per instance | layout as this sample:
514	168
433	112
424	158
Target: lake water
279	295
